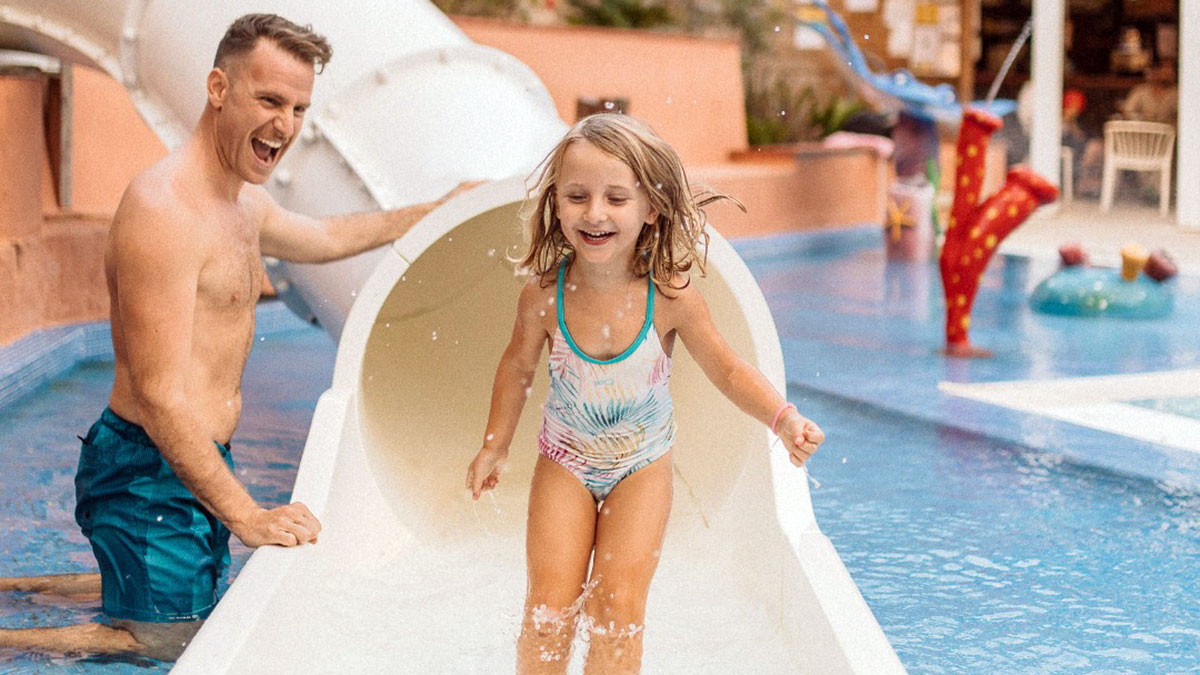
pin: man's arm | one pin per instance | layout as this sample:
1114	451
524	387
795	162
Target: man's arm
298	238
158	265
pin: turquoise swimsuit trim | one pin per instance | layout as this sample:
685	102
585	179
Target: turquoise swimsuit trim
562	322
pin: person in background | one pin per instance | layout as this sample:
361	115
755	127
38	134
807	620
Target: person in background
1156	99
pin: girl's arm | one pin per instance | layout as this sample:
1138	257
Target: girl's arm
739	381
514	377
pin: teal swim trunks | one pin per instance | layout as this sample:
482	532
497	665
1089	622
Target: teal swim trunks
161	554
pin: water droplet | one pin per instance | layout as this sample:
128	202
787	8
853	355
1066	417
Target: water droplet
435	335
354	294
387	325
605	331
776	29
656	552
403	278
843	460
262	339
668	100
491	252
608	556
449	238
528	392
489	437
541	312
159	519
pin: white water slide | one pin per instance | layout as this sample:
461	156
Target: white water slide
410	575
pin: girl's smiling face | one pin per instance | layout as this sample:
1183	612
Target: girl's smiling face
601	205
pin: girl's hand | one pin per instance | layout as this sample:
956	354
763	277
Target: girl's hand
484	472
801	436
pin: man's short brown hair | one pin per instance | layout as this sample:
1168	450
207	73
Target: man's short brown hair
299	41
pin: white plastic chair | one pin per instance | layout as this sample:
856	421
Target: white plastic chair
1137	146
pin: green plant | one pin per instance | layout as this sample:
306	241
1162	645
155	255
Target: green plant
619	14
778	113
498	9
832	116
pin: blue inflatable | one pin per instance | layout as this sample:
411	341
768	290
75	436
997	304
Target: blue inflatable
1098	291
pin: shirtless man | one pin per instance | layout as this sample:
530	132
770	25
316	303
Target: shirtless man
156	494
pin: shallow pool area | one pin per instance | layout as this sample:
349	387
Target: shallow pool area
289	367
985	538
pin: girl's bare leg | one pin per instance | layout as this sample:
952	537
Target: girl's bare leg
558	545
629	536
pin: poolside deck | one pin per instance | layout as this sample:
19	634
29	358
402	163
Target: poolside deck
1103	234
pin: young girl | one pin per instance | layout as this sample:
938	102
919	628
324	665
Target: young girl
613	231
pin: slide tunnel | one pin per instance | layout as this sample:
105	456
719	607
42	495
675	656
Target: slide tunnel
410	575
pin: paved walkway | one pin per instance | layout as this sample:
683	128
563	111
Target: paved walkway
1103	234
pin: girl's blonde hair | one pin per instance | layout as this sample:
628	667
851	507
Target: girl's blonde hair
665	248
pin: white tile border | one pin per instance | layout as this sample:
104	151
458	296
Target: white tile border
1098	403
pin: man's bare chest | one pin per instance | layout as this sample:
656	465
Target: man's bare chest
232	275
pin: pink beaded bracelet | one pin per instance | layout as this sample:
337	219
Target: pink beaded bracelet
775	420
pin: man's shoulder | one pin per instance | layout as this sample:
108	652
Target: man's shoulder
151	192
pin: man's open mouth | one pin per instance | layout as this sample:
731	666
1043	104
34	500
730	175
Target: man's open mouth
266	150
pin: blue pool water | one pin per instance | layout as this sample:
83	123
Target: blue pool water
984	540
1186	406
285	374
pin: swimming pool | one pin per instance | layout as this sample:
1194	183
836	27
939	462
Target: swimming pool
289	367
978	534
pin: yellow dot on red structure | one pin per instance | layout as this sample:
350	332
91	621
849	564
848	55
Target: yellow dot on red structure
961	300
953	222
966	322
955	278
992	213
974	233
966	260
972	151
979	254
965	181
971	197
1012	211
990	242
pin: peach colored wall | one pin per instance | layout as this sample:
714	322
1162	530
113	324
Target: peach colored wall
112	143
688	88
51	260
812	187
22	153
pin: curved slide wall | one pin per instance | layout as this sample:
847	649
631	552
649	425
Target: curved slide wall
410	574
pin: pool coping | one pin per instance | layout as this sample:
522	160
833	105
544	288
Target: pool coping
37	359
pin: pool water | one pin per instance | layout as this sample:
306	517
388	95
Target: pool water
978	536
1185	406
285	374
980	556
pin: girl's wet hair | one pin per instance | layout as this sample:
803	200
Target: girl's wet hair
665	248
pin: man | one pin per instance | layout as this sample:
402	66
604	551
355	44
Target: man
1156	99
156	493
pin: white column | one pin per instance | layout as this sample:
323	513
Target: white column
1187	209
1045	138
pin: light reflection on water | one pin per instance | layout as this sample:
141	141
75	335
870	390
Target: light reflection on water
977	556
